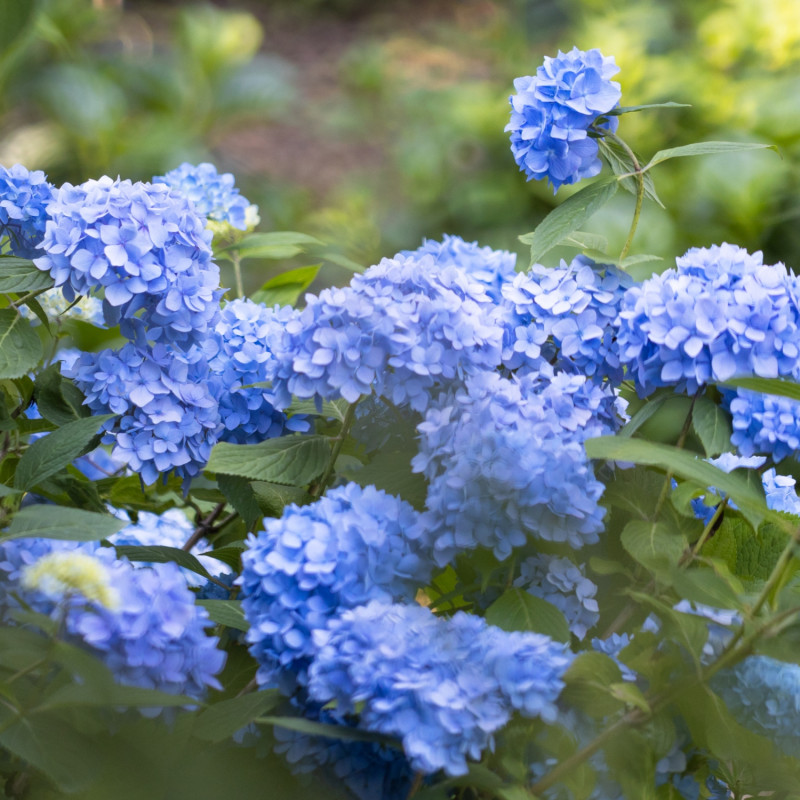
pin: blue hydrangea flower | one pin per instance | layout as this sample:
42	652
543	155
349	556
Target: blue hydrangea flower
565	585
351	546
154	636
145	247
721	313
575	306
24	197
443	686
764	696
552	112
764	423
401	328
505	461
249	415
55	305
213	195
493	268
368	770
166	402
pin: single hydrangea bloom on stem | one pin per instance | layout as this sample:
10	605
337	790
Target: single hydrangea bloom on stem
444	686
551	115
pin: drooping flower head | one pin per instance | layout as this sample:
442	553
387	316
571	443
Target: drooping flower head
213	195
351	546
145	247
505	460
721	313
24	197
443	686
551	114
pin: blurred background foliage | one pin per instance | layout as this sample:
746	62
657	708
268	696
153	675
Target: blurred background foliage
374	124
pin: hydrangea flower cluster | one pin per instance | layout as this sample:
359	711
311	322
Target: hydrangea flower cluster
764	423
552	113
351	546
565	585
493	268
153	636
145	247
87	308
249	415
402	327
505	460
575	307
721	313
213	195
24	197
764	695
443	686
368	770
166	399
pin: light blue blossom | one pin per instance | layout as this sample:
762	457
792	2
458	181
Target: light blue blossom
249	414
564	584
575	306
720	314
154	636
764	423
167	406
400	329
443	686
493	268
351	546
764	696
213	195
145	248
24	197
505	461
551	115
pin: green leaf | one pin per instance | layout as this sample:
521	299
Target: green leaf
705	149
654	545
21	275
20	345
570	215
587	241
712	426
390	470
273	498
341	260
276	244
239	493
291	460
111	694
226	612
59	522
16	16
684	465
621	164
162	554
331	409
630	109
286	288
303	725
777	386
57	399
51	453
718	589
630	694
640	258
642	415
689	630
517	610
222	720
230	554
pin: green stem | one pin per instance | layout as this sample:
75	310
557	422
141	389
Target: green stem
638	173
338	442
237	272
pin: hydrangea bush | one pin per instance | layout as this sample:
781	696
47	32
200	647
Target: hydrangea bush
462	528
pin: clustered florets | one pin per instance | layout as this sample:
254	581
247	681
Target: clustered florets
553	112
